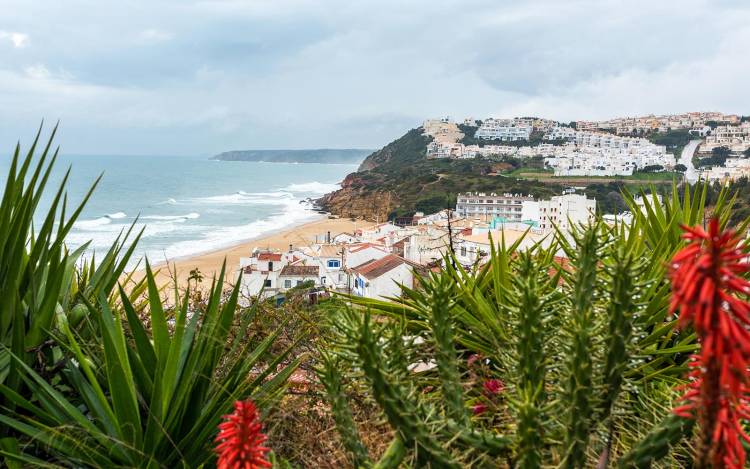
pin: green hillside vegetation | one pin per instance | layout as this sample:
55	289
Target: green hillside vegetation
674	140
426	185
416	183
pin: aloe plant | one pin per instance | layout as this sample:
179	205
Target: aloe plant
570	350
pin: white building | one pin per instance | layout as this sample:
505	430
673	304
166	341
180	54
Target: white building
474	248
295	275
733	169
358	254
503	129
275	272
734	137
486	207
381	278
565	211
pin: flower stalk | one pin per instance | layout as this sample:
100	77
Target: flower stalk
240	440
708	290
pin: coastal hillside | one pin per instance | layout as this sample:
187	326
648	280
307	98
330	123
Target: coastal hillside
398	180
323	155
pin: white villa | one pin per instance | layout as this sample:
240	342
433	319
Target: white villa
275	272
380	278
503	129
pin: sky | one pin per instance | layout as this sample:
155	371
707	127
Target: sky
200	77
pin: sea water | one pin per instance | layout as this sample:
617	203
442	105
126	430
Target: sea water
187	205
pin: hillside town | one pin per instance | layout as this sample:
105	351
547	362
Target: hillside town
612	148
374	262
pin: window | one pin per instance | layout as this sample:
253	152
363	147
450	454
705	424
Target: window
299	282
270	266
334	263
267	283
287	284
463	250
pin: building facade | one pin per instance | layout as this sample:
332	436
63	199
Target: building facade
487	207
566	211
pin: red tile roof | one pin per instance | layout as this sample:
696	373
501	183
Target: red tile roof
299	271
375	268
269	256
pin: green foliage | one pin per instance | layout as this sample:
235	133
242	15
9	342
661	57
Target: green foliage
402	169
153	401
579	391
580	345
718	157
83	381
39	279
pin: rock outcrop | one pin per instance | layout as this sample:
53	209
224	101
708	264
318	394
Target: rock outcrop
356	200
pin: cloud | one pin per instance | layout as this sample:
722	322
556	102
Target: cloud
172	76
154	36
19	40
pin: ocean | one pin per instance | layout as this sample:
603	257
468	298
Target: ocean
188	205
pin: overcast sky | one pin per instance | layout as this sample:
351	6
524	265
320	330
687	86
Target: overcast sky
200	77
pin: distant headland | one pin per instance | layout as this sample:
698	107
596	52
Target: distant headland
323	155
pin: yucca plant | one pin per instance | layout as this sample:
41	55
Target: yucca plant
577	383
39	278
147	400
83	383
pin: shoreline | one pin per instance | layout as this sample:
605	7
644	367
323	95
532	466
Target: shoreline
268	234
209	263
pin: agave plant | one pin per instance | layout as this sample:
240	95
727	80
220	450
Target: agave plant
564	341
83	382
39	278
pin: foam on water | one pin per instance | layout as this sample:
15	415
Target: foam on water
294	213
189	216
314	187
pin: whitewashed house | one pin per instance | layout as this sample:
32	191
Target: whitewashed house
344	238
295	275
261	272
358	254
330	258
380	278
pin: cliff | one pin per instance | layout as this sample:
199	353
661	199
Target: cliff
356	200
399	180
325	155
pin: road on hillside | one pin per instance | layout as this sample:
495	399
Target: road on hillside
686	158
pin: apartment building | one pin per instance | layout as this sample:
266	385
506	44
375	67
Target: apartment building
566	211
733	169
503	129
734	137
663	123
486	207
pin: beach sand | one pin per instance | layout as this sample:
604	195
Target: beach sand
209	264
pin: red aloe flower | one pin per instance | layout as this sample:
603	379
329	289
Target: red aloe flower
479	409
706	282
241	439
493	387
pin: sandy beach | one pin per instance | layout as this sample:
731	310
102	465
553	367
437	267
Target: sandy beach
209	264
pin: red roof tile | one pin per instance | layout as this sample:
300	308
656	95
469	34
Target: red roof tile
376	268
269	256
299	271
